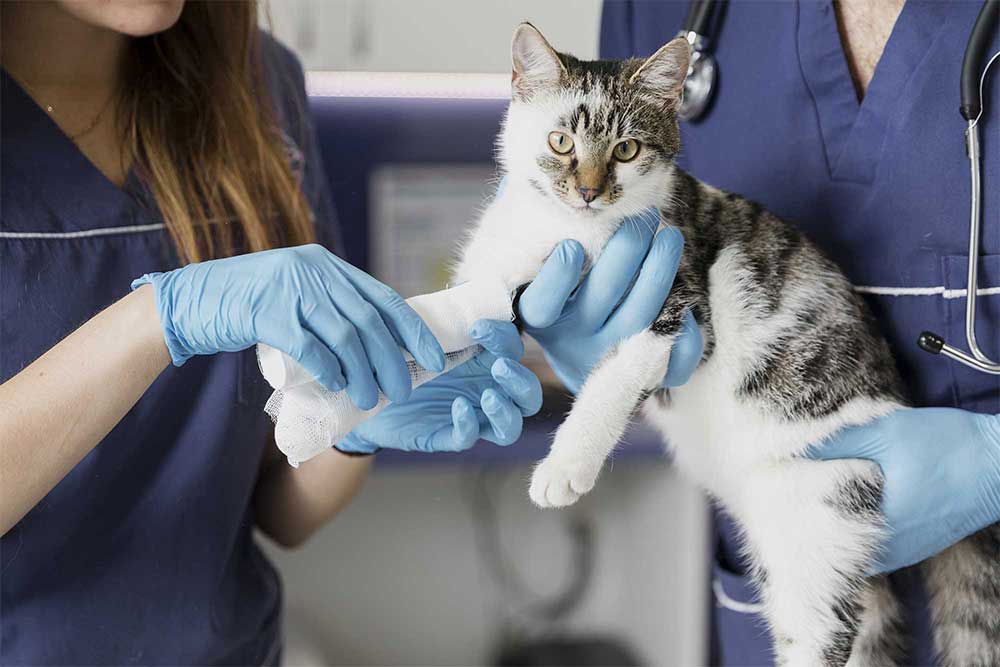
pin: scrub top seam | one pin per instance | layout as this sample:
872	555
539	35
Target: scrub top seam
85	233
894	115
805	82
724	600
940	290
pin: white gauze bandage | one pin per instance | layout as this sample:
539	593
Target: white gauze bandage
308	419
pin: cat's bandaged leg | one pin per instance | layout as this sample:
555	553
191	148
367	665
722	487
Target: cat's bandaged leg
308	419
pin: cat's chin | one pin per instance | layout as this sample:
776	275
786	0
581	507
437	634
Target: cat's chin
585	212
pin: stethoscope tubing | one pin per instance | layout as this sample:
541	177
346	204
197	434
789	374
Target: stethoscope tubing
933	343
971	94
975	222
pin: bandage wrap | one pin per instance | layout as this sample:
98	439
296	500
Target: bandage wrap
308	419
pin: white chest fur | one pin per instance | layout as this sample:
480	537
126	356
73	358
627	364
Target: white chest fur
518	231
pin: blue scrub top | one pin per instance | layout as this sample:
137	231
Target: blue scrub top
144	553
882	186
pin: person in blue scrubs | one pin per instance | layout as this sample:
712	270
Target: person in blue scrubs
135	457
875	173
131	487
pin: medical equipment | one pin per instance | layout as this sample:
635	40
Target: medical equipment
700	82
700	86
309	419
971	86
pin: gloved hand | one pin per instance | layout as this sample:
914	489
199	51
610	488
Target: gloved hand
942	476
486	397
577	328
339	323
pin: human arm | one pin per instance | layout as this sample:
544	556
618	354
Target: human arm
292	503
485	398
942	476
345	327
62	405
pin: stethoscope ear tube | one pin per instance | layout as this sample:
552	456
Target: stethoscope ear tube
979	39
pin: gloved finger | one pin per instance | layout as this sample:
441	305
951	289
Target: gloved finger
543	300
498	337
314	356
465	424
651	288
461	434
380	347
410	332
685	354
520	384
340	336
853	442
504	420
614	270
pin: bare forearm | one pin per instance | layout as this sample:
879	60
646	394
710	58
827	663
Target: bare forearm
292	503
57	409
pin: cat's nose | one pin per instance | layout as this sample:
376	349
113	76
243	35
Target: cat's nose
588	194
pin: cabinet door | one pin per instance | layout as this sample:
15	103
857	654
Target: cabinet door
427	35
318	31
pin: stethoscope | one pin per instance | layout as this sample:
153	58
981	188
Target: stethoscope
700	86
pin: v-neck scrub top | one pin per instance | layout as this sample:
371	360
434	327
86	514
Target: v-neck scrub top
143	553
882	186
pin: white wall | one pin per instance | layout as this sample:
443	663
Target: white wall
427	35
397	579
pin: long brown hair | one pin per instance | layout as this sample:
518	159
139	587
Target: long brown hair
204	135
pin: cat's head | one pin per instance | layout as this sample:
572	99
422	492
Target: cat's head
599	137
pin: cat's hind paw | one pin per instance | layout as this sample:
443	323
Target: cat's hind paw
558	483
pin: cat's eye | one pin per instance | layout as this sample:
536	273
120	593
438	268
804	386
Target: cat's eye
560	142
626	150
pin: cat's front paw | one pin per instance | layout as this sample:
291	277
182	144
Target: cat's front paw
558	483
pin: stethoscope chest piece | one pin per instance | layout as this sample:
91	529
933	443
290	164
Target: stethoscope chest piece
698	86
702	70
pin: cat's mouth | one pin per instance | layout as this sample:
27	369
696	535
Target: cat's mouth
586	209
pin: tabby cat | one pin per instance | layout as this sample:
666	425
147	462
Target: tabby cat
791	355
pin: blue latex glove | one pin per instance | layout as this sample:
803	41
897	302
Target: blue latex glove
942	476
484	398
577	327
339	323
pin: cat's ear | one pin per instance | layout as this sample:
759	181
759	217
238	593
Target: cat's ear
663	73
536	63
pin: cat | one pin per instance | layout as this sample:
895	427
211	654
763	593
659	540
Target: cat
791	355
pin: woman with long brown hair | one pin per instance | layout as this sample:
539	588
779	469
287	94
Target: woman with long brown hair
170	140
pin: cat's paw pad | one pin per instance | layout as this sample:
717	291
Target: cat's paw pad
558	483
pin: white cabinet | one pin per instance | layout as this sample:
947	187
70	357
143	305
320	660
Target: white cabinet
427	35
